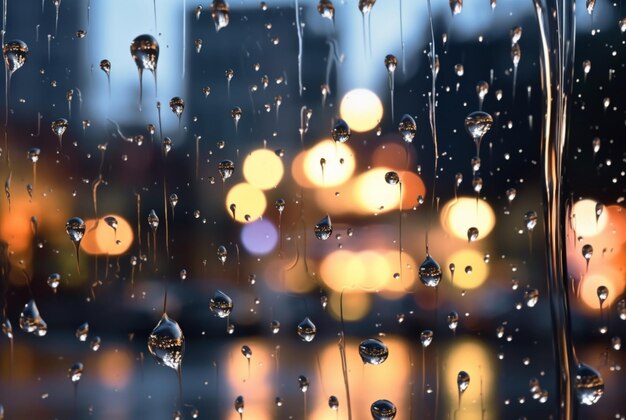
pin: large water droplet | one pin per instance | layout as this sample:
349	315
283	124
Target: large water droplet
407	128
31	321
383	410
373	351
430	272
341	132
462	381
219	14
221	304
167	343
589	384
15	55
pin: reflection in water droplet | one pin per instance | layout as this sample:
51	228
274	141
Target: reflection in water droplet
167	343
383	410
341	132
219	14
75	372
430	272
531	296
145	52
589	384
426	337
307	330
31	321
407	128
82	331
324	229
221	304
373	351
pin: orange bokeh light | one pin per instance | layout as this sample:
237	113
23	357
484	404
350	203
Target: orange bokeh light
101	239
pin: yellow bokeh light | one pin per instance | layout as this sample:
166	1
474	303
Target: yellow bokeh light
474	358
584	218
361	109
328	164
101	239
610	278
459	215
263	169
355	305
342	270
250	202
467	258
373	194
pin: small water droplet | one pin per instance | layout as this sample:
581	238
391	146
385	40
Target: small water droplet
221	304
307	330
383	410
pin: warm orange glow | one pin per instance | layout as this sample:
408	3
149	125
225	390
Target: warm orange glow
250	202
457	216
367	383
412	188
115	368
253	384
342	270
611	278
373	194
393	155
263	169
584	218
361	109
101	239
355	305
297	171
393	286
467	258
283	275
338	163
15	227
474	358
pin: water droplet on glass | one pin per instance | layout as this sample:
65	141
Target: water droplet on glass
603	294
621	309
462	381
145	52
511	193
453	320
392	178
324	229
75	372
239	405
477	124
177	105
53	281
59	127
30	320
430	272
426	337
226	169
167	343
95	343
198	45
15	55
530	220
222	254
326	9
303	383
82	331
383	410
472	234
219	14
307	330
589	384
275	326
221	304
531	296
333	403
341	132
373	351
153	220
407	128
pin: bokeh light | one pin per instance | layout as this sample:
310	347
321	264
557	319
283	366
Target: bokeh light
101	239
115	368
463	278
457	216
584	218
356	305
373	194
263	169
259	237
361	109
337	169
612	279
474	358
250	202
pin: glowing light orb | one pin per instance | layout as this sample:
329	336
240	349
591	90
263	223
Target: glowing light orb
263	169
250	202
328	164
361	109
459	215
